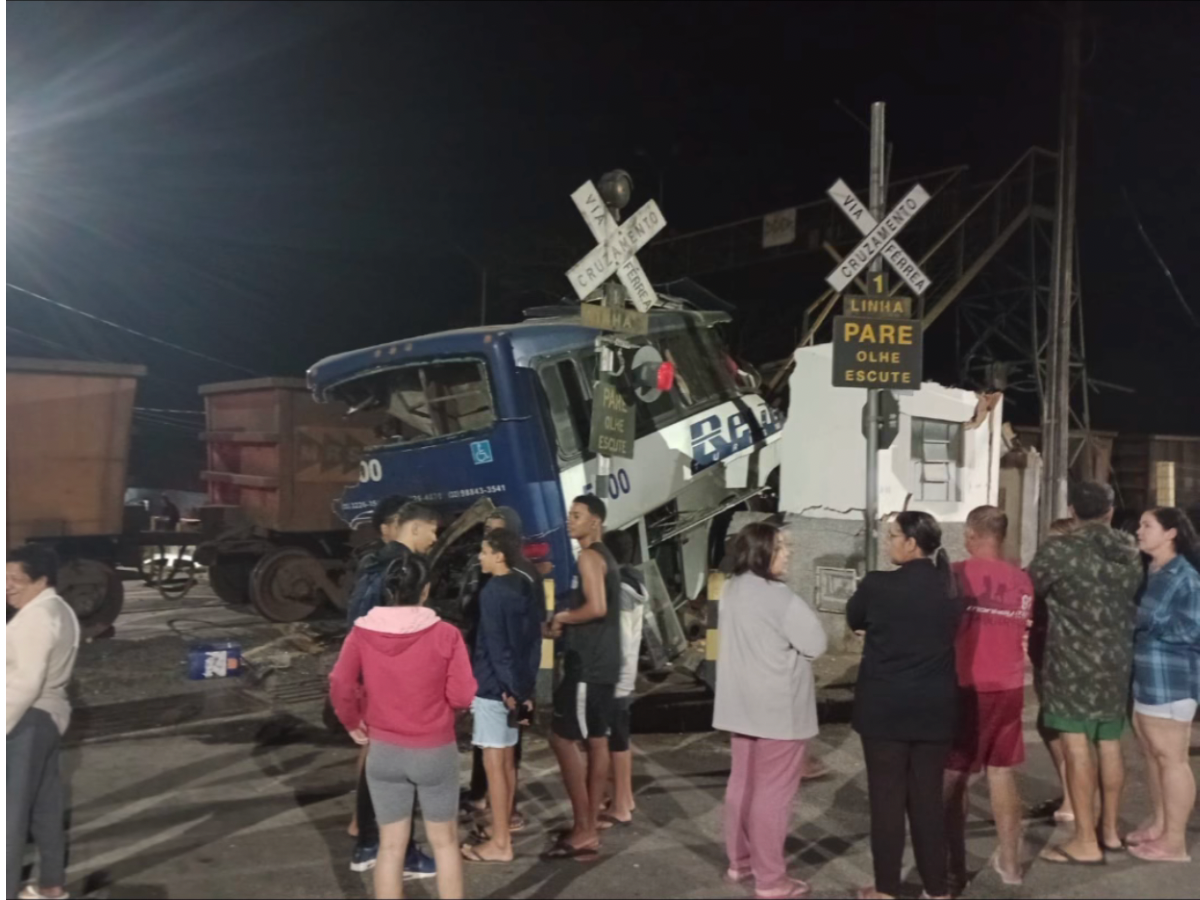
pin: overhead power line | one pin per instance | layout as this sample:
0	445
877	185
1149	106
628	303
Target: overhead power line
1137	220
134	332
75	352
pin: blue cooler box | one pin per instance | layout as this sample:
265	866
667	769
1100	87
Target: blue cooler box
216	660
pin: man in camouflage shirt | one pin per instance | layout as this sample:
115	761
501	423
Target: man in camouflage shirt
1089	580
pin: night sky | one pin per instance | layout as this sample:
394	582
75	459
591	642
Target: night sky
269	183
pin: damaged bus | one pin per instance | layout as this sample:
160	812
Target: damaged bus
503	412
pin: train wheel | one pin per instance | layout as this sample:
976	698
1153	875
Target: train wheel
343	581
229	578
94	590
285	585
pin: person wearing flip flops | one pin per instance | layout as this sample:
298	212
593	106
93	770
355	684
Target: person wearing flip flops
1089	580
1059	809
507	655
41	643
585	698
997	600
473	804
634	598
906	700
1166	680
766	699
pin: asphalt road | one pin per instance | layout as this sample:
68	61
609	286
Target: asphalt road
259	808
222	789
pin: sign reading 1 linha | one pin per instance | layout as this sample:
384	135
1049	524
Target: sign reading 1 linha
871	352
877	306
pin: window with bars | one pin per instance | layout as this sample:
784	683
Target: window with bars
936	460
569	406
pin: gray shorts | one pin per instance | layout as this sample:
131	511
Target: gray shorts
397	775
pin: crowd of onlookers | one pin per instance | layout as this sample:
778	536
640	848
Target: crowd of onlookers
490	665
1113	635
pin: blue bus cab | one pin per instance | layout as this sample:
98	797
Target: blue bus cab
504	412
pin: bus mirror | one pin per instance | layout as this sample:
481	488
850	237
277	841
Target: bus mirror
651	374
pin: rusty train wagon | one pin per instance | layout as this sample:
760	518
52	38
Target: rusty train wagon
67	455
277	461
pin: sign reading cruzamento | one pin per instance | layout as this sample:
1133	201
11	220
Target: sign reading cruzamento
874	353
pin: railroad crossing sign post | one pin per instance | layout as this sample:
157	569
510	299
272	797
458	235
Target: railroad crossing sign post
876	342
615	253
616	247
878	238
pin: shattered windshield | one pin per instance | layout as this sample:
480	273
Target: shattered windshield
427	400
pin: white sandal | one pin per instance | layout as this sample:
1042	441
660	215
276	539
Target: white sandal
31	892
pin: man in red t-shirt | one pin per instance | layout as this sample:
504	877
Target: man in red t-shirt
998	603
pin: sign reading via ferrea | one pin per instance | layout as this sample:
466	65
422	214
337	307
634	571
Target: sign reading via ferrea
613	426
877	353
878	238
617	247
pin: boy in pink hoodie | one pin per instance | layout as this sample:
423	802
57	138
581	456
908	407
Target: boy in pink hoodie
401	676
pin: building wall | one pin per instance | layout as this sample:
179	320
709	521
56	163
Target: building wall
824	470
824	451
1020	487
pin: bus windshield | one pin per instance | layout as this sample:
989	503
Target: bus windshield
427	400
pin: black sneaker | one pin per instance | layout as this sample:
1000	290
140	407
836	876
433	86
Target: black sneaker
364	856
417	865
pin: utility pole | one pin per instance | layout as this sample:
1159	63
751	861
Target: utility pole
482	296
878	203
1056	402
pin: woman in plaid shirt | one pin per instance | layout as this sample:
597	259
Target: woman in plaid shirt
1166	679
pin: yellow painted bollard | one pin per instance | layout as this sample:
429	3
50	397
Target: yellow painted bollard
545	679
712	638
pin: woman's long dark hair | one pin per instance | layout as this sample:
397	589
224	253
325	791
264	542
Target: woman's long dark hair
925	531
1187	544
404	580
754	548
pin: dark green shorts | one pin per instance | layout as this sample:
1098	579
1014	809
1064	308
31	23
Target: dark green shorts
1096	730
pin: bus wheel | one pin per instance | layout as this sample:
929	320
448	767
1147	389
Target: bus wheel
94	591
284	586
229	578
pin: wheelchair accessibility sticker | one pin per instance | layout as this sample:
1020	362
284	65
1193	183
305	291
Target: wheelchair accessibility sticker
481	452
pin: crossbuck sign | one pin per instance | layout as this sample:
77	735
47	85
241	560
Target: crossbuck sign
617	248
878	237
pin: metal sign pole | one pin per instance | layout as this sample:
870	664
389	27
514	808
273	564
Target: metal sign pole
604	461
878	202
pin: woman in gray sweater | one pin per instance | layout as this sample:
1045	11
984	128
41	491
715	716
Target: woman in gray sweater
766	700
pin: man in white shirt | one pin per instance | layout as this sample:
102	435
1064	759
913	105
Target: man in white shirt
634	598
41	641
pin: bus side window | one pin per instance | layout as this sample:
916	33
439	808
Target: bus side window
568	407
697	379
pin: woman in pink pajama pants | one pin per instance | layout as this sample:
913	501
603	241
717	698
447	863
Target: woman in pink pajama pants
766	700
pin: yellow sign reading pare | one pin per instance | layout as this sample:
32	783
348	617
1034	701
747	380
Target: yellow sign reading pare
870	352
877	333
